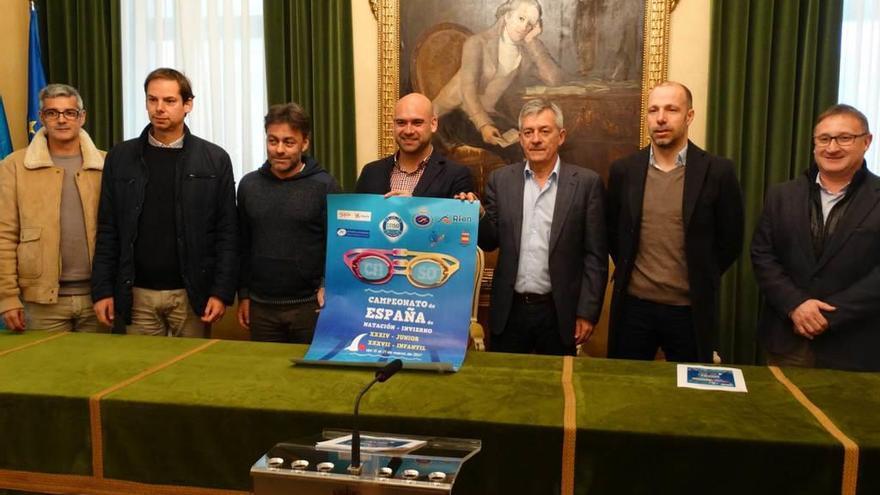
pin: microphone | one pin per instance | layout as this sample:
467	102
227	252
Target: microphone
382	375
389	370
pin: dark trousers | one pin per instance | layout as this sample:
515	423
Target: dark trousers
291	323
646	326
531	327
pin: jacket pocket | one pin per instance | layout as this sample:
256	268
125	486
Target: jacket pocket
30	253
200	192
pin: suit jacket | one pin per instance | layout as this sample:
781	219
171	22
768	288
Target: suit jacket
442	178
846	275
712	212
578	250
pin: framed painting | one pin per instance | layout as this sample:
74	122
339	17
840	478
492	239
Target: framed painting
481	60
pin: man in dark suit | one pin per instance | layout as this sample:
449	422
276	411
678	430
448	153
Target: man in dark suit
416	169
675	224
816	254
547	219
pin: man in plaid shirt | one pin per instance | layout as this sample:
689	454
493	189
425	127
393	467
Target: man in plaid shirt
416	169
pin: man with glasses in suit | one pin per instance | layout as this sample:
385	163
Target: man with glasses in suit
816	254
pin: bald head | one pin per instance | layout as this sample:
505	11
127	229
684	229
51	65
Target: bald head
414	124
685	91
414	103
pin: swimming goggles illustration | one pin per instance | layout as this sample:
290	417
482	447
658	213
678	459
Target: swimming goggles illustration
378	266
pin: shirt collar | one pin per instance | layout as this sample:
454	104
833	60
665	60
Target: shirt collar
680	158
176	144
822	187
527	171
422	164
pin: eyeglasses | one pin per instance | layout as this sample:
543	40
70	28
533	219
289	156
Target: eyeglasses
378	266
842	139
52	114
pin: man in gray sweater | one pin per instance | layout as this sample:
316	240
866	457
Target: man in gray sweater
282	212
675	225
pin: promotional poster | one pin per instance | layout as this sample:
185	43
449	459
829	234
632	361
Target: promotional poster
399	281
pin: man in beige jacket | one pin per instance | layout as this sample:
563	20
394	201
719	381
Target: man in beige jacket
49	195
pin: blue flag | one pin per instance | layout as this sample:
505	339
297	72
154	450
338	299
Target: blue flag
5	139
36	76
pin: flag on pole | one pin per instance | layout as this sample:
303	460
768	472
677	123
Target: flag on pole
5	139
5	149
36	76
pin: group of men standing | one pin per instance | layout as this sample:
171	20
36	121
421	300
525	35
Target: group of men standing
671	220
156	244
149	240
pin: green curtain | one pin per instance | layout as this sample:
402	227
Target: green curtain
81	47
774	67
309	60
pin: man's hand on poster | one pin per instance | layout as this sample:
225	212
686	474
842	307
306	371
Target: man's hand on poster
491	134
320	300
469	196
404	194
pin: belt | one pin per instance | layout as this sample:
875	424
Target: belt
529	298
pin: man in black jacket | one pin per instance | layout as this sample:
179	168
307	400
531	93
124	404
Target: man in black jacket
675	224
282	211
166	259
816	254
416	169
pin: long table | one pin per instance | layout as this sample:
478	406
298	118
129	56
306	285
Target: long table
104	414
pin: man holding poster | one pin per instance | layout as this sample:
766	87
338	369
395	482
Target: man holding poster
547	219
416	169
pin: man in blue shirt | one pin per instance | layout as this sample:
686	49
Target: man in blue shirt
546	217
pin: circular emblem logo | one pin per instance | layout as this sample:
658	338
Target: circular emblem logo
341	232
422	220
393	226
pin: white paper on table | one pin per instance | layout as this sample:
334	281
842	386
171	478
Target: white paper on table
711	378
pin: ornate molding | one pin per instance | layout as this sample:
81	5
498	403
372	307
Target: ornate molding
655	53
389	71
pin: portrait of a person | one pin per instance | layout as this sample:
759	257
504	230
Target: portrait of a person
491	61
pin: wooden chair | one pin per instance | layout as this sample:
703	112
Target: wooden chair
477	340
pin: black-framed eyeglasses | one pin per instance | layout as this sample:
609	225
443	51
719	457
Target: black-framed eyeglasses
69	114
824	140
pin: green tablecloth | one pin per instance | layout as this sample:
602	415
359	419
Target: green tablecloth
205	419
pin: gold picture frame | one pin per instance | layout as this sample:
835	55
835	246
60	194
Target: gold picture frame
655	61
